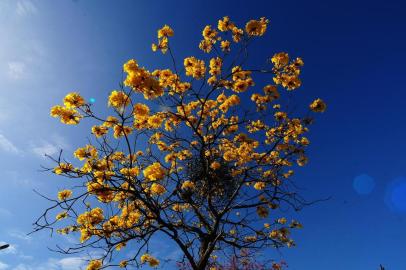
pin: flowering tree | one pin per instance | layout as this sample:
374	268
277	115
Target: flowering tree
202	160
242	262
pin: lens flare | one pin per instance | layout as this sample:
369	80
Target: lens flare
92	100
363	184
395	197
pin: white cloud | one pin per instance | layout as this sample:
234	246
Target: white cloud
51	147
45	148
71	263
26	7
19	235
3	266
16	69
7	145
5	213
17	179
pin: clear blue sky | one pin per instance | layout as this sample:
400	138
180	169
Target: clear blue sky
355	57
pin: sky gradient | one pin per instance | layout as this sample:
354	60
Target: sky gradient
354	54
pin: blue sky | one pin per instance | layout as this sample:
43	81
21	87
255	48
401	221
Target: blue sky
354	53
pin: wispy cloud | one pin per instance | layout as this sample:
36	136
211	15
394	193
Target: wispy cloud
19	235
71	263
3	266
17	179
13	250
49	147
16	69
7	145
25	7
4	213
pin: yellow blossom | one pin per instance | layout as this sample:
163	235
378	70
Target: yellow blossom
225	45
154	172
85	152
94	265
157	189
256	28
194	67
225	24
64	194
118	99
67	116
215	165
152	261
61	215
188	185
165	31
63	168
73	100
99	131
259	185
318	105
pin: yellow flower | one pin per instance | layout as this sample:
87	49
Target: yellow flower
157	189
274	234
209	33
215	66
132	172
111	121
194	67
163	35
318	105
215	165
206	45
67	116
118	99
64	194
251	238
165	31
142	81
120	131
99	131
63	168
259	185
91	218
85	152
154	172
188	185
155	121
123	264
94	265
141	111
256	28
280	59
225	45
237	34
152	261
225	24
73	100
280	116
62	215
282	220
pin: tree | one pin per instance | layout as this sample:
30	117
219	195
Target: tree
242	262
202	161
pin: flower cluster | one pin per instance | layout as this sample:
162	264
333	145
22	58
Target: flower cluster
163	35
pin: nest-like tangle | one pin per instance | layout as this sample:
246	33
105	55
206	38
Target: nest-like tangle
218	184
